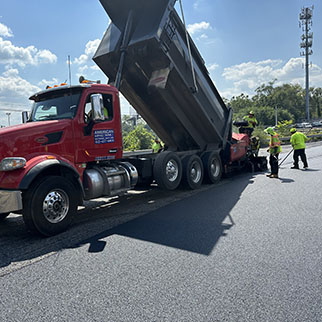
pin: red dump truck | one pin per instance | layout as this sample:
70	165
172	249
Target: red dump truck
70	149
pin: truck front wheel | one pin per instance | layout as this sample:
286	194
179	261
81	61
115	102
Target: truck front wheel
50	206
213	167
167	170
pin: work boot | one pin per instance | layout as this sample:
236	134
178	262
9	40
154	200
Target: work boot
295	167
275	176
268	175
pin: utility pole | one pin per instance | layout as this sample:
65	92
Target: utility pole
307	40
8	117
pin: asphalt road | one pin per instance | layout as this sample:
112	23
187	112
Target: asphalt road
247	249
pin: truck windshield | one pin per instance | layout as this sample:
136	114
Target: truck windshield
55	105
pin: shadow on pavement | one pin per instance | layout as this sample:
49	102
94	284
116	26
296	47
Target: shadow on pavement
194	224
286	180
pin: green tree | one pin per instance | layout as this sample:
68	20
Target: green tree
263	94
283	128
240	103
127	124
287	97
138	139
316	101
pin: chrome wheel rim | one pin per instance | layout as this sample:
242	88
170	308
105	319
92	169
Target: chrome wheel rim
215	168
172	170
56	206
195	172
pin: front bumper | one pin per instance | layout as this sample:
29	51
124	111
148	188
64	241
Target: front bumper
10	201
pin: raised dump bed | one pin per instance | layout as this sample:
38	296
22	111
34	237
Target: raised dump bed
157	78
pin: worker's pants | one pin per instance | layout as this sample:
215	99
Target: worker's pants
273	162
299	153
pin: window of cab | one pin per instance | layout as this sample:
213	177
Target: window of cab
108	108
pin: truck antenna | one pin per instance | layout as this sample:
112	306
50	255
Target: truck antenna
69	71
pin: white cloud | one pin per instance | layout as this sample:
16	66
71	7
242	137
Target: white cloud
86	66
14	94
90	50
250	70
81	60
91	47
198	26
197	4
212	67
95	67
22	56
5	31
45	57
13	87
82	70
246	77
43	83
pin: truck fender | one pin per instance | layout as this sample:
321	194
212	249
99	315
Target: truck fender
45	165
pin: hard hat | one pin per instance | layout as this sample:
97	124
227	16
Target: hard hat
293	130
251	112
269	130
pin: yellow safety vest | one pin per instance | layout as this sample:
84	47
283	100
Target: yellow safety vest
298	140
274	143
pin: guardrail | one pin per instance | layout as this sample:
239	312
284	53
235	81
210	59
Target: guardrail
314	136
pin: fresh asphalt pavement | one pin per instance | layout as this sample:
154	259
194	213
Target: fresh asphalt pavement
247	249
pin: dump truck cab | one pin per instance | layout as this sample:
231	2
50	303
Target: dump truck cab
92	112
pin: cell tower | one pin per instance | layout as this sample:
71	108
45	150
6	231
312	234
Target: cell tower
306	44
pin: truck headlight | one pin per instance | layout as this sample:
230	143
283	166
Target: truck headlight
9	164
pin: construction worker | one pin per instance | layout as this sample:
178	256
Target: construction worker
250	118
156	146
105	113
274	151
255	145
298	140
251	124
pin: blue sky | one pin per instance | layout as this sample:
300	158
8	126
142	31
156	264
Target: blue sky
244	44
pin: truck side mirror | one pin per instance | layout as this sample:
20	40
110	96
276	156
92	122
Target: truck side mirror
97	107
24	116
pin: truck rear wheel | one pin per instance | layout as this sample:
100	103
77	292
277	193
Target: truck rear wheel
167	170
213	167
192	173
4	215
50	206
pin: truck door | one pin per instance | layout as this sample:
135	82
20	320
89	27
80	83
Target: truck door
99	140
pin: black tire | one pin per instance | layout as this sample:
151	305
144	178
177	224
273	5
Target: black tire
260	164
212	167
50	206
250	166
263	164
192	172
4	215
167	170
